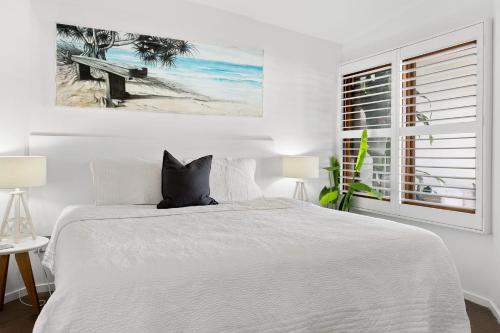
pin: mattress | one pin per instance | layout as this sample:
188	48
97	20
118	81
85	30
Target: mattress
264	265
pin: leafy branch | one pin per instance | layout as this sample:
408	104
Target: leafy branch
152	50
329	196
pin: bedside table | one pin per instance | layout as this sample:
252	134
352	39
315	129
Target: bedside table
21	252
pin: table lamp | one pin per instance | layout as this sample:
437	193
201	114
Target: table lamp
18	172
300	167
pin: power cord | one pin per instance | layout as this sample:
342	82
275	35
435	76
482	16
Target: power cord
47	283
42	301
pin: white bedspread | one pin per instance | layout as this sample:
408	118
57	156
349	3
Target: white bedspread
266	265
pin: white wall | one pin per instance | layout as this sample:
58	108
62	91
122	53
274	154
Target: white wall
14	87
423	19
299	78
477	256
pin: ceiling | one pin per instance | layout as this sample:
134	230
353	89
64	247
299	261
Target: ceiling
327	19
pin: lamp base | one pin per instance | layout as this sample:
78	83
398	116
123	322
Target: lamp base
300	192
18	226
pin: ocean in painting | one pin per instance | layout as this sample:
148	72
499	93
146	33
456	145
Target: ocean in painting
217	79
206	80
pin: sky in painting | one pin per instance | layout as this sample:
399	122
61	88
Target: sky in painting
226	54
232	55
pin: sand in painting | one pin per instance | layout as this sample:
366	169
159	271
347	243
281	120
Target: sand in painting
149	94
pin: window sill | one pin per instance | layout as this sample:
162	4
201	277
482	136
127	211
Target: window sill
404	219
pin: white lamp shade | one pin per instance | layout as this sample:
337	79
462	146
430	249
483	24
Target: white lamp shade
301	166
22	171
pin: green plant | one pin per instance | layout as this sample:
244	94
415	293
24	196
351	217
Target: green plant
151	50
329	196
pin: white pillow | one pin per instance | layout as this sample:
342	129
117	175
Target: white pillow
129	182
233	179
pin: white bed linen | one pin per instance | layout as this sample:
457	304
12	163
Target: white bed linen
265	265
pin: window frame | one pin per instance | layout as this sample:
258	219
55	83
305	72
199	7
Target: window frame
480	221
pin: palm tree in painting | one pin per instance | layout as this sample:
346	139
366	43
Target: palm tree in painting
152	50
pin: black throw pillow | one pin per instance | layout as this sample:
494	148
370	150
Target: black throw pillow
185	185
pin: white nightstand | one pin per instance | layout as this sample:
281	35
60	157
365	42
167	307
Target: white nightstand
21	252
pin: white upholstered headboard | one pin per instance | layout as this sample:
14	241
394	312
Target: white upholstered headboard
69	179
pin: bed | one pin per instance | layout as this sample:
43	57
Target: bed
249	264
261	265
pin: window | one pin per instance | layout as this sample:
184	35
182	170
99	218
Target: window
424	106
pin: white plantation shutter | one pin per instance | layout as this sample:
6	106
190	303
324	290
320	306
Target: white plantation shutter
376	170
367	102
440	173
426	120
366	99
439	103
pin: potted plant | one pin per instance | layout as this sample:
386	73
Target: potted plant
329	195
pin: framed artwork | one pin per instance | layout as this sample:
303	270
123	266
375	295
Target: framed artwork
129	71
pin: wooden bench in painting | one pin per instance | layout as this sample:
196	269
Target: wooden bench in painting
115	74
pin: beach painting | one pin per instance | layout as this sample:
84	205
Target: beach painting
114	70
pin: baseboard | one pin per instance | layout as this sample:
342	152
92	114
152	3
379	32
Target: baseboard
13	295
484	302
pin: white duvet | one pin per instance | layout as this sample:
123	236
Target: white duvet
266	265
